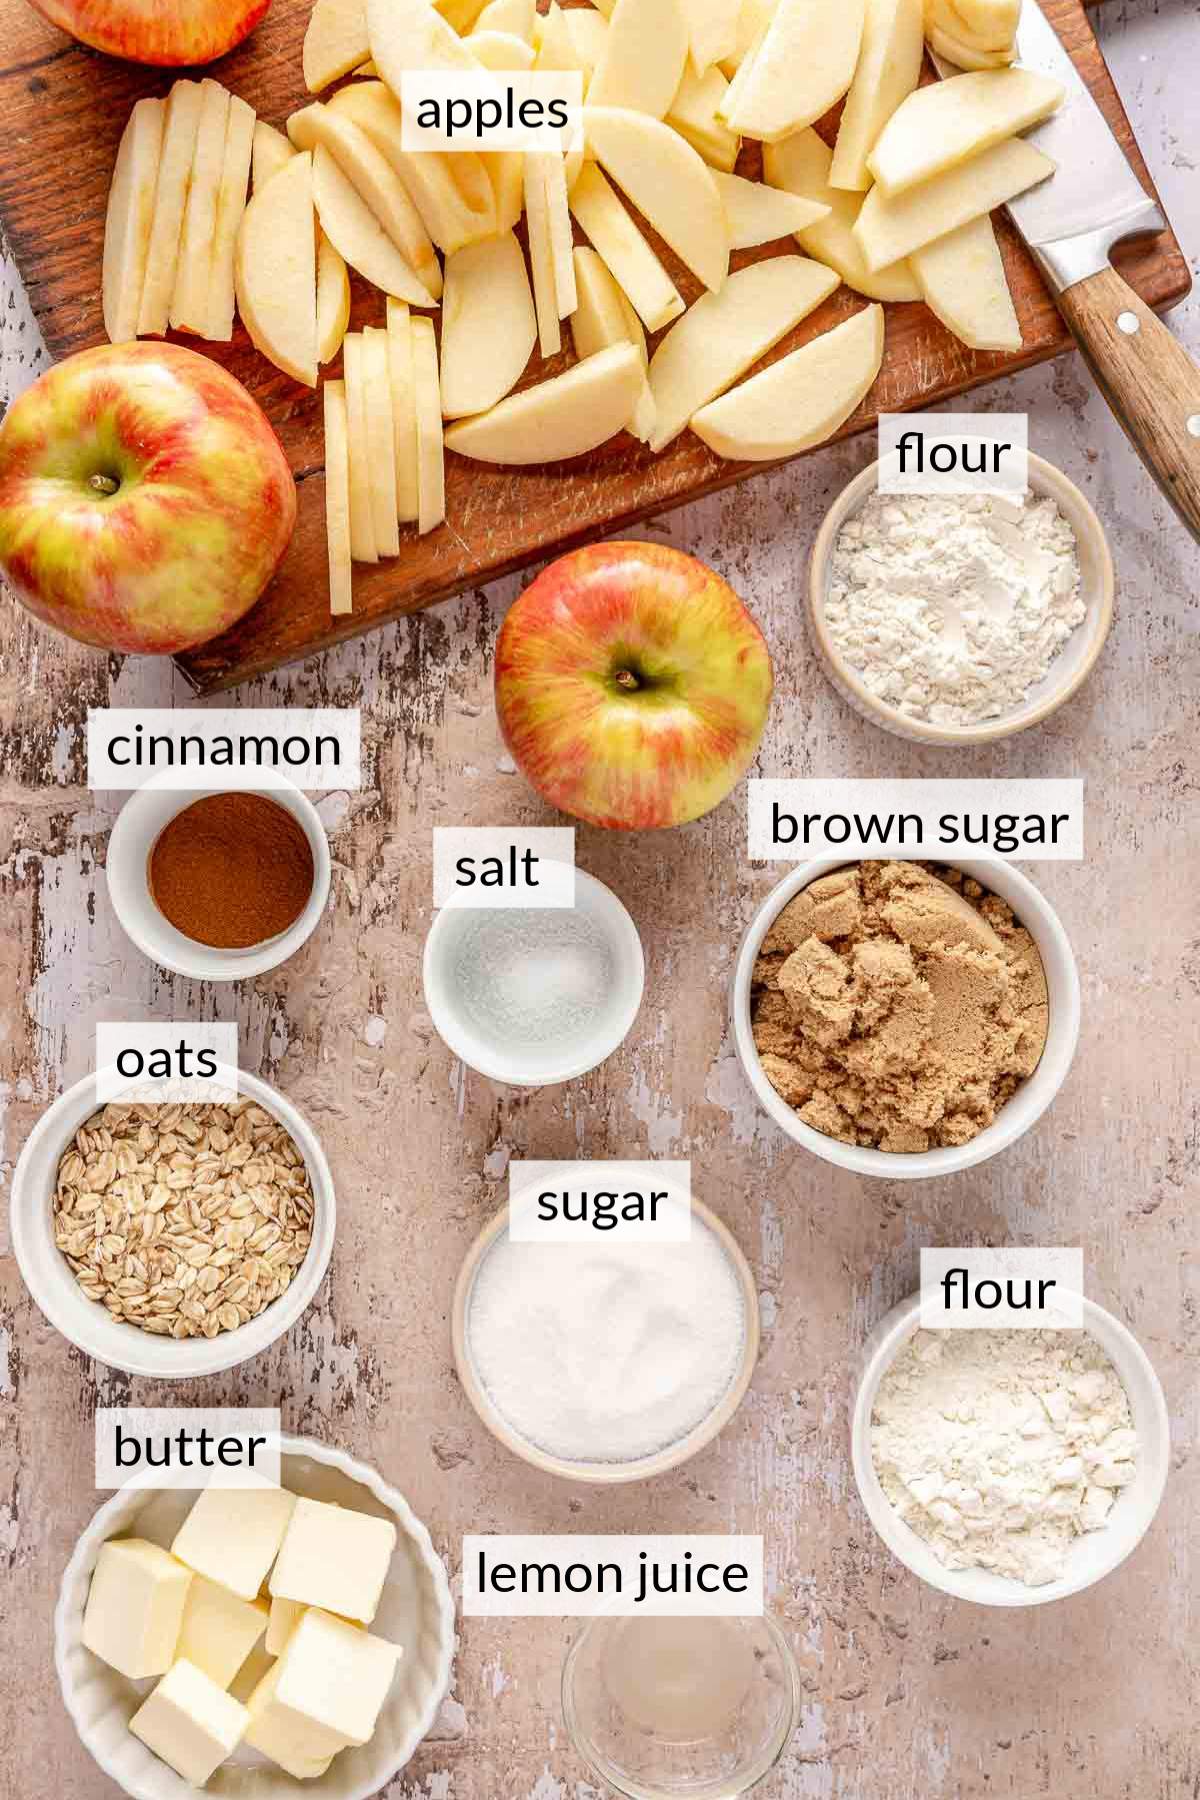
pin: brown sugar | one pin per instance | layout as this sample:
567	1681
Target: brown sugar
898	1006
232	870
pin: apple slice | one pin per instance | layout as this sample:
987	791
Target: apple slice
693	114
752	19
604	317
231	207
515	16
889	68
541	254
501	51
965	56
335	42
759	214
453	195
333	299
563	417
644	56
277	271
130	216
803	64
375	181
800	400
725	334
431	474
404	410
337	498
624	250
352	227
381	441
408	34
170	201
671	186
555	44
949	121
193	277
888	229
712	31
589	33
272	152
558	211
800	164
362	511
488	325
963	281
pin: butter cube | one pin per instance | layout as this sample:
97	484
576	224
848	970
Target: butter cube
135	1607
256	1665
300	1745
285	1616
219	1630
233	1535
334	1558
336	1675
190	1722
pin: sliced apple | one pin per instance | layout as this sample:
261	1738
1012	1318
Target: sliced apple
170	202
375	181
461	14
589	33
804	62
501	51
404	410
488	325
560	418
950	121
130	217
966	56
800	400
555	44
759	214
752	18
276	270
381	441
693	114
624	251
800	164
515	16
189	302
889	67
335	42
452	194
333	299
337	498
604	317
360	239
231	206
409	34
712	31
962	278
888	229
725	334
431	474
541	254
362	512
670	185
644	55
984	28
558	216
273	150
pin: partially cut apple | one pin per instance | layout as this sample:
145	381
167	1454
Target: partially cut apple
712	31
335	42
231	207
404	410
277	271
409	34
950	121
668	182
352	227
962	278
381	441
800	164
800	400
189	302
889	68
130	216
604	317
452	194
541	254
758	214
488	325
431	474
170	202
624	251
362	512
273	150
725	334
644	55
802	65
560	418
888	229
333	299
693	113
337	498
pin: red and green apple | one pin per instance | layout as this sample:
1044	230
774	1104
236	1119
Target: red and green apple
173	33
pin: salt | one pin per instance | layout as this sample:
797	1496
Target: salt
533	977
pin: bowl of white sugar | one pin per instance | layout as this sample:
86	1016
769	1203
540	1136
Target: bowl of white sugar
960	618
1009	1467
610	1360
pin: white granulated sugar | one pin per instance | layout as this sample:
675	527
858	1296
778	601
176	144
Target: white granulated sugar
999	1448
950	608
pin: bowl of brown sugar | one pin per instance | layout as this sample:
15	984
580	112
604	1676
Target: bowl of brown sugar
219	885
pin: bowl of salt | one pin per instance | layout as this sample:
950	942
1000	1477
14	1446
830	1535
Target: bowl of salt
535	995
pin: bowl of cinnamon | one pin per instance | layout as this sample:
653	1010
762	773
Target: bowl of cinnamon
219	885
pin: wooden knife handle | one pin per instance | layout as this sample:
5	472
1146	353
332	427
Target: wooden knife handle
1148	379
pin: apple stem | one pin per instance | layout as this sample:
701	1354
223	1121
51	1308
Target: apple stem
625	678
103	484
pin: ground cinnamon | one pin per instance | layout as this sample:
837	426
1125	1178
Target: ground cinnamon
232	870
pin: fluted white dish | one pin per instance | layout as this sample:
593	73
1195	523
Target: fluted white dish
416	1611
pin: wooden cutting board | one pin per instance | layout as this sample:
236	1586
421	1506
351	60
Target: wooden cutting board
63	109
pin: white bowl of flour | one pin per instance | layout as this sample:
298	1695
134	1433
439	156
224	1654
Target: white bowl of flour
934	1423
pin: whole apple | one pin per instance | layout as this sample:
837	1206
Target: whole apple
173	33
632	685
145	501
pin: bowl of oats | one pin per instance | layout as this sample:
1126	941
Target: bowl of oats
172	1240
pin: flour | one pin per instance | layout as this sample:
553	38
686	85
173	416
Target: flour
1001	1447
950	608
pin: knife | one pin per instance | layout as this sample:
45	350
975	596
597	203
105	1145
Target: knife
1070	222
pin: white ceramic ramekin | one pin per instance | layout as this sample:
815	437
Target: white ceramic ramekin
86	1323
1093	1555
416	1611
146	814
1066	674
1014	1118
537	1065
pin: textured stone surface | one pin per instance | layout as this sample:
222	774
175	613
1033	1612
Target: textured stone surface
907	1695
